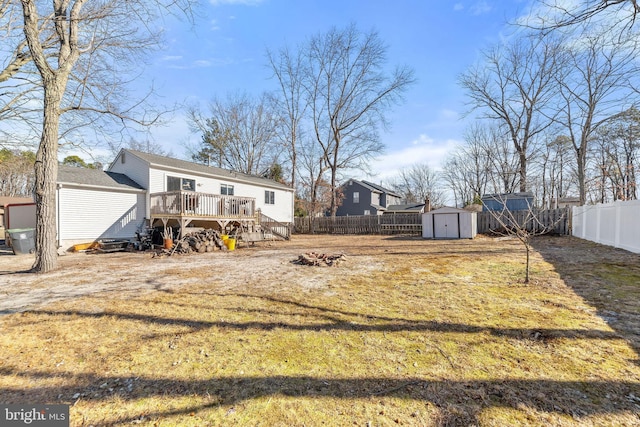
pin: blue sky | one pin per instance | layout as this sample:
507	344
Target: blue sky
225	52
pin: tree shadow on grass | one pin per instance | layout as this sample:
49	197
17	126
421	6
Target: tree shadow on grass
607	278
459	402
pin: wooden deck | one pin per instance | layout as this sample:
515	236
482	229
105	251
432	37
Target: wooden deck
184	208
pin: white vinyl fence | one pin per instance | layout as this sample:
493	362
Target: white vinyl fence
614	224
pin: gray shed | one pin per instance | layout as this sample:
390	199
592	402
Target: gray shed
449	223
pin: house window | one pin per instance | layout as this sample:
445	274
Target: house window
269	197
226	189
367	212
176	184
356	197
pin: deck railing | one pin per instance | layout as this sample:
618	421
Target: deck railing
205	205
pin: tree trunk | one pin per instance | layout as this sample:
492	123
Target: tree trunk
582	186
46	176
523	172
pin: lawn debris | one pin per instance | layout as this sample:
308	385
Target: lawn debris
317	259
207	240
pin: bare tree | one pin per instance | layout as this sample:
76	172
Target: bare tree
289	104
554	14
556	172
83	63
349	93
419	182
513	86
240	131
18	79
313	187
618	148
594	85
16	172
524	225
486	163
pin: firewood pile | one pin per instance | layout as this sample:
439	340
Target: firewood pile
322	260
208	240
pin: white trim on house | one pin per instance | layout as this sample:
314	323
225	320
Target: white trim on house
151	171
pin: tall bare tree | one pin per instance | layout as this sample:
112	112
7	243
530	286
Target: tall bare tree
556	171
240	131
349	93
83	63
595	84
289	103
619	147
513	85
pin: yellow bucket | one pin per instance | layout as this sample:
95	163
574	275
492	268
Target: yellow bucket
225	237
230	244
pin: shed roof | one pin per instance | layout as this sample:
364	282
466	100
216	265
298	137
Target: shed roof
95	178
163	161
7	200
448	209
412	207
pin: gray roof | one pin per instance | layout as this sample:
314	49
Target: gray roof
95	178
154	159
413	207
381	188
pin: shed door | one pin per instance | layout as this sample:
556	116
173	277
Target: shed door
446	226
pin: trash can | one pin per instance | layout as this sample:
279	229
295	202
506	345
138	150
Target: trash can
23	240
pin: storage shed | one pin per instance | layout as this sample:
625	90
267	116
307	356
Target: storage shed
449	223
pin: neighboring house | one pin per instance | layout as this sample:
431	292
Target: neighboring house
510	201
140	189
366	198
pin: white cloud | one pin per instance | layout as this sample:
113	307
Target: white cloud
214	25
480	8
458	7
171	58
423	149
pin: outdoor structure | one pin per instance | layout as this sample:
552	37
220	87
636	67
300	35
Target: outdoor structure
16	212
449	223
141	189
510	201
366	198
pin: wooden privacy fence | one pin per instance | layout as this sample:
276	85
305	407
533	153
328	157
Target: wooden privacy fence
558	220
361	224
536	220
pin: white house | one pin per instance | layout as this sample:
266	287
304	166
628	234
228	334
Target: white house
140	189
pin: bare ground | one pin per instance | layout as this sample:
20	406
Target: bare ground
82	274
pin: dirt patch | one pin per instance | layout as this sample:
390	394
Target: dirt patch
269	267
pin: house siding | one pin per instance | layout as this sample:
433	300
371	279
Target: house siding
86	214
281	210
134	167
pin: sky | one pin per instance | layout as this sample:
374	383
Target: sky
223	52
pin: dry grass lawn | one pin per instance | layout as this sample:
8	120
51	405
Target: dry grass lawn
406	332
